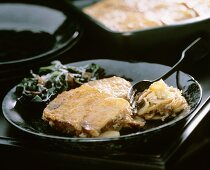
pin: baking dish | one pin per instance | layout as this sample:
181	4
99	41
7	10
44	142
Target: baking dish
145	40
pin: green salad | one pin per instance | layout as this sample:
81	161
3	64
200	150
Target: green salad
40	88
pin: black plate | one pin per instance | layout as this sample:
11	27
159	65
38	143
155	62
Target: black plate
134	71
33	32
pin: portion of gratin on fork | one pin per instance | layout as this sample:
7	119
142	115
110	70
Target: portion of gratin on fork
161	101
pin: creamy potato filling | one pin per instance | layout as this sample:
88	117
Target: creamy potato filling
161	101
131	15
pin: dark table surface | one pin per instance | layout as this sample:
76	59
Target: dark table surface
188	149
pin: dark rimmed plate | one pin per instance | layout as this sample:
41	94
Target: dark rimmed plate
34	32
134	71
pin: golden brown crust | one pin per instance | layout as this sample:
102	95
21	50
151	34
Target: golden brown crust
115	86
87	112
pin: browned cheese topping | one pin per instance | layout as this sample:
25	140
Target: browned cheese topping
88	112
115	86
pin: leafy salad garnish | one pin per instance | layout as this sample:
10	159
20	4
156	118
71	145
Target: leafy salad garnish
51	80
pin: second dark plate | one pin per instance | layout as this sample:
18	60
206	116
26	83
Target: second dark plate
34	32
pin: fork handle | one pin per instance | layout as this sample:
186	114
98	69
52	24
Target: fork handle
198	48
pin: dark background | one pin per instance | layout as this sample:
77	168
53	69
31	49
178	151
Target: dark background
194	153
